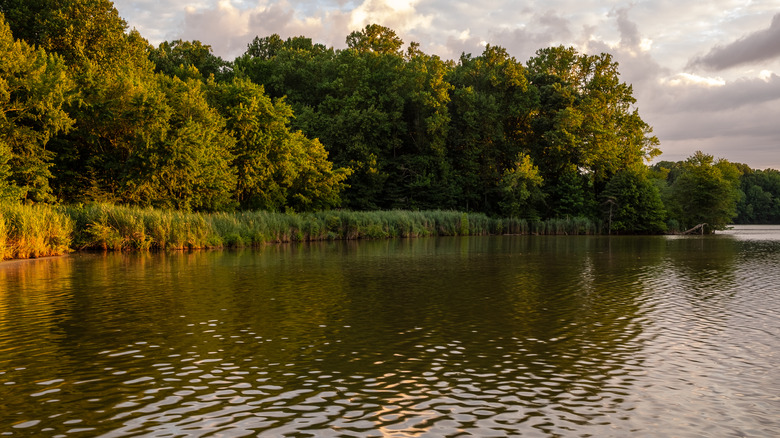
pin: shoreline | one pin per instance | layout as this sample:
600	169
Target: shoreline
38	231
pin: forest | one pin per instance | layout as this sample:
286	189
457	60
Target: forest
91	113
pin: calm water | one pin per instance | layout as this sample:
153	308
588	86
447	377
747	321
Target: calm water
494	336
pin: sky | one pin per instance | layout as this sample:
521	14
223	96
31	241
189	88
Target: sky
706	74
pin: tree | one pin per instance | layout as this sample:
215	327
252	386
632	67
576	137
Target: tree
706	192
520	184
375	38
584	118
88	34
34	88
275	168
421	172
490	111
177	58
9	192
760	200
117	96
636	205
184	161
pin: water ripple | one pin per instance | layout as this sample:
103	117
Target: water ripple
577	338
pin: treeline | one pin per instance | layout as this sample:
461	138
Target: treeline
93	113
86	118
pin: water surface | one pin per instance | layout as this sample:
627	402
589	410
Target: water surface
478	336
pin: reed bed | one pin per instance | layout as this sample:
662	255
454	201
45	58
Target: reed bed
29	231
35	231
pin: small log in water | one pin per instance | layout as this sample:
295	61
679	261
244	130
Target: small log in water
697	227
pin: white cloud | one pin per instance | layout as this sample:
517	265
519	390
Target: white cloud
399	15
653	40
684	79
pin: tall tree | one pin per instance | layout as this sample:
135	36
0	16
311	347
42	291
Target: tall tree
521	185
706	192
490	112
634	204
585	118
275	167
183	160
117	95
34	88
760	200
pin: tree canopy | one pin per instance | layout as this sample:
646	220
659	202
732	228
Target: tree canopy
92	112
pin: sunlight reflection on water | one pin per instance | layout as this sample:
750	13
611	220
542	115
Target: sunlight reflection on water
493	336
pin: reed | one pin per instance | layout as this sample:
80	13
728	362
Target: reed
27	231
562	226
30	231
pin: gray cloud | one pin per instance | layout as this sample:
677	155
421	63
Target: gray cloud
752	48
543	30
732	96
629	32
733	115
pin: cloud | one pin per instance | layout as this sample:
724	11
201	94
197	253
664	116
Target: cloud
733	95
220	27
549	29
399	15
753	48
229	25
693	103
629	32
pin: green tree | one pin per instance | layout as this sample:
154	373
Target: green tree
490	112
275	167
584	118
420	169
571	194
182	162
294	68
634	204
760	200
521	184
176	58
117	97
34	88
88	34
376	39
9	192
706	192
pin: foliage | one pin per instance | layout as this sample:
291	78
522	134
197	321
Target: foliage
33	91
491	109
759	202
634	204
188	60
584	120
276	168
706	192
92	113
183	163
521	183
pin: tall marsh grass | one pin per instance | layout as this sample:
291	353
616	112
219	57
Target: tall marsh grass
113	227
35	231
29	231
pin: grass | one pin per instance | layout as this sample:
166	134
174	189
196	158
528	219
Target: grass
33	231
36	231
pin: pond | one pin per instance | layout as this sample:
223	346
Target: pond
473	336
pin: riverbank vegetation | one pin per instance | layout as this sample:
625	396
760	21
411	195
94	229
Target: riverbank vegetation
92	114
40	230
33	231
